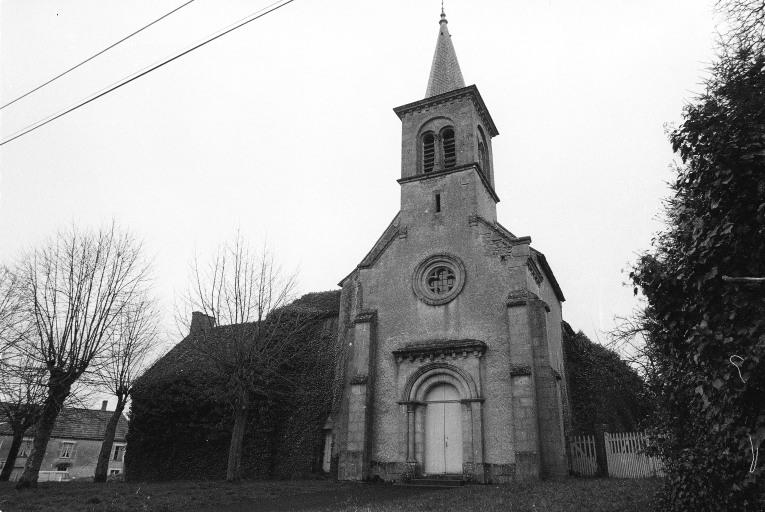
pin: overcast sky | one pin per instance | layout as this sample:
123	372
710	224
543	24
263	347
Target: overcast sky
285	129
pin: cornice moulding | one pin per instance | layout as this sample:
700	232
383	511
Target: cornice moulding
434	349
444	172
470	90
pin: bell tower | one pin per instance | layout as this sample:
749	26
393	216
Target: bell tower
450	325
447	134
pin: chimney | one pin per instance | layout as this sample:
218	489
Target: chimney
104	403
201	323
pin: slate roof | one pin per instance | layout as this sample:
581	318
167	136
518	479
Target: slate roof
318	302
181	360
74	423
445	73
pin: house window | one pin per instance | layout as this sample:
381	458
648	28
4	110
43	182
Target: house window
119	453
25	449
63	467
450	153
66	450
114	471
428	152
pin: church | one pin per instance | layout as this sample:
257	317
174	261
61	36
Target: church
439	357
451	323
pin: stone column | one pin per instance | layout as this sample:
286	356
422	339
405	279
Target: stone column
410	454
476	420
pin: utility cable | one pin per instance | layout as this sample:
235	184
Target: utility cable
244	21
96	55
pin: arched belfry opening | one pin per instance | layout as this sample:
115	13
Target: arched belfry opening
428	152
448	148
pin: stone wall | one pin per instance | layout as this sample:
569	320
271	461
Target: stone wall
516	375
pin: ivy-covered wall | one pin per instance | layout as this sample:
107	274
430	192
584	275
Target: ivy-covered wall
180	420
603	389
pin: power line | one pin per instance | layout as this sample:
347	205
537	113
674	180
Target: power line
244	21
96	54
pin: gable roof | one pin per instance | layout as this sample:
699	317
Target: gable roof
75	423
548	271
391	232
502	240
183	360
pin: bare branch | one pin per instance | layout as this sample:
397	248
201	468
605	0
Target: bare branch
75	289
246	293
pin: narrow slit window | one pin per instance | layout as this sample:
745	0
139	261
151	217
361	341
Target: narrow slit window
438	203
450	153
428	152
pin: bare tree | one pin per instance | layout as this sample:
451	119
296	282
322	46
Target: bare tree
12	324
77	287
131	341
746	20
627	339
245	294
22	392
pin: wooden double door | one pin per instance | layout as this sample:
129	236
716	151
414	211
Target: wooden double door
443	430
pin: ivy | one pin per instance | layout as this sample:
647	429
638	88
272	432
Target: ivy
181	420
603	389
711	412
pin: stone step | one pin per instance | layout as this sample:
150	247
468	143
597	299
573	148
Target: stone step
439	481
443	476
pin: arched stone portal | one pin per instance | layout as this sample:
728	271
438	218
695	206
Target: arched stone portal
444	421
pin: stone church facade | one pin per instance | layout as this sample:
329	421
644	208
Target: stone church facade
451	323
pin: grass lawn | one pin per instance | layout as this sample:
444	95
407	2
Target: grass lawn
580	495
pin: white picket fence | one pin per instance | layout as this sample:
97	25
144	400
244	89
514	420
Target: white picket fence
583	460
625	456
53	476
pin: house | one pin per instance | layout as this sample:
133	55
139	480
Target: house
452	322
74	445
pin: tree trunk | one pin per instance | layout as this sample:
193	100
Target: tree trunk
53	402
234	469
106	447
13	452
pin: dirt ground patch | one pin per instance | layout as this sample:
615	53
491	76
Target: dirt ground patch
597	495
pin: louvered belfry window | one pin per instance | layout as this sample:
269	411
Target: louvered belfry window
450	153
428	152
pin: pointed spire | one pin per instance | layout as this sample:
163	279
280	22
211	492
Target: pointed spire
445	74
